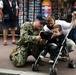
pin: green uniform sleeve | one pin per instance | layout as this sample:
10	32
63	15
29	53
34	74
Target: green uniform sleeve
27	34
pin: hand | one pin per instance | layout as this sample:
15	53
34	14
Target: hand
75	24
52	36
38	38
74	15
54	44
42	41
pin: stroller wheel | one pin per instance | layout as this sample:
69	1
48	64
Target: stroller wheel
53	71
71	64
35	67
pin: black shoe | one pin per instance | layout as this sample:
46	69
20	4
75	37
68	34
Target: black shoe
71	51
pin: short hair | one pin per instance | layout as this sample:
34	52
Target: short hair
57	26
50	17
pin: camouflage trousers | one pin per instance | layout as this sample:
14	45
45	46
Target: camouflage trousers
21	53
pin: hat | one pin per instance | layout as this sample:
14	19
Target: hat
41	18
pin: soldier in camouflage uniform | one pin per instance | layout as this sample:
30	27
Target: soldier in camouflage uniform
30	42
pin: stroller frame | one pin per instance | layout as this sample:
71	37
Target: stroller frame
53	70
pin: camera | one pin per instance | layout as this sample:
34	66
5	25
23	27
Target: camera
46	35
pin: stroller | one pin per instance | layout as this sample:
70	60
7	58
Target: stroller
53	70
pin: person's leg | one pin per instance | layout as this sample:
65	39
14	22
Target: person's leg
19	56
6	26
70	45
13	25
13	35
43	53
53	53
5	32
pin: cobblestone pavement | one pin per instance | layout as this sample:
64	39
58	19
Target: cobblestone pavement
6	64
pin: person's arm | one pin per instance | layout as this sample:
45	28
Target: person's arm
17	9
73	22
16	12
73	15
1	13
26	33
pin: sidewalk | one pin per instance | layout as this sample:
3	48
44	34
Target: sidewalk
13	72
6	64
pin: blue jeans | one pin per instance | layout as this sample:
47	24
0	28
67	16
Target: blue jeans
52	50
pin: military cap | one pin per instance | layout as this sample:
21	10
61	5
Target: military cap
41	18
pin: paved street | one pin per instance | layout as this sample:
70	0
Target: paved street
7	66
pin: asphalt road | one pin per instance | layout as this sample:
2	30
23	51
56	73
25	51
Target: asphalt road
6	65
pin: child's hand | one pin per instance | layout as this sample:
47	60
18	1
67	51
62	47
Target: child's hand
52	36
54	44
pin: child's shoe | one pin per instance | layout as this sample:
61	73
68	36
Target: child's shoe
41	56
51	61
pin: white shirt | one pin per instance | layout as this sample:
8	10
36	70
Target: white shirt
65	26
46	28
1	4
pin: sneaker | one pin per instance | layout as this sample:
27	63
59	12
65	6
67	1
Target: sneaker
41	56
51	61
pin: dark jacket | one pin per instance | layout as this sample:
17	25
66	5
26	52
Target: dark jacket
57	40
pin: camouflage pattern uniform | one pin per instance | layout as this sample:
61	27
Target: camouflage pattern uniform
27	44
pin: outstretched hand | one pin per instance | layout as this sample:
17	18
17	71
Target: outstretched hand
73	15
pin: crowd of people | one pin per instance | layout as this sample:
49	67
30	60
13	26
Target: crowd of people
30	41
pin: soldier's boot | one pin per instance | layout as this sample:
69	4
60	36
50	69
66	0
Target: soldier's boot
10	56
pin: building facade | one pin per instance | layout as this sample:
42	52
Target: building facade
28	9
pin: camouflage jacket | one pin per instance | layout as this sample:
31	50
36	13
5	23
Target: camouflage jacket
28	33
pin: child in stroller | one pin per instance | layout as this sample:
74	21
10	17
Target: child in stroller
54	43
